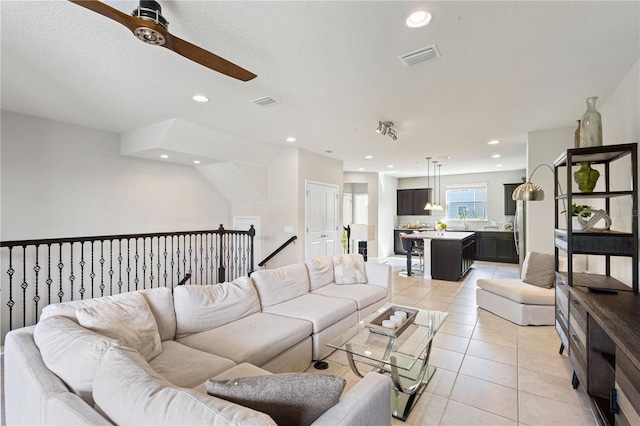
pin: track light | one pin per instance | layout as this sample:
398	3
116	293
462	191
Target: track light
385	128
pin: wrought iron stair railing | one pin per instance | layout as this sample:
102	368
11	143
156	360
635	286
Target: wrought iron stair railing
40	272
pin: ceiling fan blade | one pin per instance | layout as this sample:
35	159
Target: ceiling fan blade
109	12
207	59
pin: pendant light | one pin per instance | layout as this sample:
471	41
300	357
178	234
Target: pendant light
439	187
428	206
436	205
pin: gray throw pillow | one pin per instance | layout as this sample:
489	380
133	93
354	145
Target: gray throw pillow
539	269
289	398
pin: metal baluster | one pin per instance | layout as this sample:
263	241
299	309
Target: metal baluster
49	280
120	266
151	262
82	271
111	271
136	257
191	268
172	262
72	277
36	269
60	266
10	303
128	270
101	268
92	275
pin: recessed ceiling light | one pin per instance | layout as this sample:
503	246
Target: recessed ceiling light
196	161
390	166
164	156
494	142
360	169
200	98
368	157
418	19
291	139
496	156
498	165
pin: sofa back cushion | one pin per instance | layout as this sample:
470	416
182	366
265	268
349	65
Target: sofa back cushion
127	390
320	272
279	285
204	307
72	352
539	269
128	320
160	301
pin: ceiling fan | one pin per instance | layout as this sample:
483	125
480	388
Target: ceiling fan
148	24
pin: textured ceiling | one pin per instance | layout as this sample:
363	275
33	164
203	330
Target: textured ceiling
507	68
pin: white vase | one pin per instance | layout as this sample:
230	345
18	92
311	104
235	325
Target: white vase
591	125
575	224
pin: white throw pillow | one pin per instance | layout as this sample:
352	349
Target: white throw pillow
128	320
349	269
72	352
205	307
127	391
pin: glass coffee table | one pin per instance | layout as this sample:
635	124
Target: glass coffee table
404	357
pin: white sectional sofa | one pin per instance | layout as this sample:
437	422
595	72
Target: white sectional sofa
144	357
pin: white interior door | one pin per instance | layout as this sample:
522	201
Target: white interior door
321	217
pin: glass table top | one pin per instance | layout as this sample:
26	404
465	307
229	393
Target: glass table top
382	351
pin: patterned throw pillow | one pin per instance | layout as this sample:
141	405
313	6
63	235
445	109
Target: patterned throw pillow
349	269
288	398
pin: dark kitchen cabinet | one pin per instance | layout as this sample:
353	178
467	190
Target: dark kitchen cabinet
411	202
509	202
496	247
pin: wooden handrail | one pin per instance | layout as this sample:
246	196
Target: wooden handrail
278	250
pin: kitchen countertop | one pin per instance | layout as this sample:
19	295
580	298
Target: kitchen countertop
447	235
455	230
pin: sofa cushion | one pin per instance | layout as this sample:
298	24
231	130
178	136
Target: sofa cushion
363	294
128	391
321	311
279	285
320	272
187	367
160	302
72	352
349	269
518	291
263	336
289	398
241	370
203	307
539	269
128	320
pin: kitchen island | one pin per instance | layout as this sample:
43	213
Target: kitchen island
446	257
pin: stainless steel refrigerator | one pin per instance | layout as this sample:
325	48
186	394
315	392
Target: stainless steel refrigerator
519	233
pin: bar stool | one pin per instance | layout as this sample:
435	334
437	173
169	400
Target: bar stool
416	246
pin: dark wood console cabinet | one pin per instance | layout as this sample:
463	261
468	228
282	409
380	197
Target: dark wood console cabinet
601	332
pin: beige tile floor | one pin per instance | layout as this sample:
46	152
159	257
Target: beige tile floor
489	370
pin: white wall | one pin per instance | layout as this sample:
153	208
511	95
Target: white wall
621	124
543	147
61	180
495	195
387	187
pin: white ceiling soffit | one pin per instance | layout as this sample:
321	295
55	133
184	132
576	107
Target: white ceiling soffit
194	142
237	183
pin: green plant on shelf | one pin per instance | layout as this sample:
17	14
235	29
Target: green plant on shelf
577	209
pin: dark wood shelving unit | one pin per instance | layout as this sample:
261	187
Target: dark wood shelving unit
601	332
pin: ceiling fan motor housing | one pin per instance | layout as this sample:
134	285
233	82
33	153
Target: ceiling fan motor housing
150	10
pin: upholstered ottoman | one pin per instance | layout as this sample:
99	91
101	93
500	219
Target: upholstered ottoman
526	301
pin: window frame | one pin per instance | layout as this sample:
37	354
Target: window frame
470	186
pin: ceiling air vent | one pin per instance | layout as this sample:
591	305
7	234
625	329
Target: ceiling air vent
420	55
264	101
